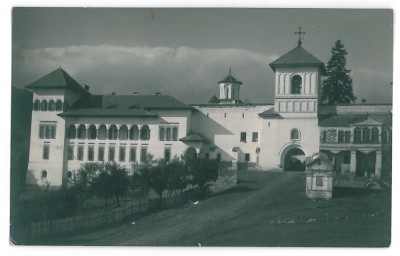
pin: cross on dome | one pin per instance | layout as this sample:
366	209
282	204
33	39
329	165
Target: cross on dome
299	33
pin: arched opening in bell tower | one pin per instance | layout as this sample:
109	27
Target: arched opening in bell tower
296	84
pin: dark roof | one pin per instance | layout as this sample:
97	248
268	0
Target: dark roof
147	102
214	100
298	57
109	112
348	120
58	79
270	114
230	79
194	137
123	105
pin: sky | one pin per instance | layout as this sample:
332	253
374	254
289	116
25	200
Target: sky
185	52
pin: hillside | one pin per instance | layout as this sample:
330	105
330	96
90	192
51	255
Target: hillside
265	209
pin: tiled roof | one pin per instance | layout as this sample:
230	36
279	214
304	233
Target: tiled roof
109	112
194	137
130	101
56	80
123	105
297	57
270	114
348	120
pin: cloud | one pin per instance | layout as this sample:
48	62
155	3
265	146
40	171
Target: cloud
187	73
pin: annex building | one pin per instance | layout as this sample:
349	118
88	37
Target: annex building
70	126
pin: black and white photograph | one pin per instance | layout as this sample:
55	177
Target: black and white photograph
201	127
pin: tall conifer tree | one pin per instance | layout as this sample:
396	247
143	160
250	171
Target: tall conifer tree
338	87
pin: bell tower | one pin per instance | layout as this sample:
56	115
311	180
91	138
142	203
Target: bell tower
297	81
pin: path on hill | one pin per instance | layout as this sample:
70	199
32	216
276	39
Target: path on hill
265	209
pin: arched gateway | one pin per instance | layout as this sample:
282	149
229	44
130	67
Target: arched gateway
290	162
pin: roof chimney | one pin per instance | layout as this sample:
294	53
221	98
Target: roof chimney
87	87
135	93
158	93
113	93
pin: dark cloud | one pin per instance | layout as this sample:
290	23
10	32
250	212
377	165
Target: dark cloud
184	52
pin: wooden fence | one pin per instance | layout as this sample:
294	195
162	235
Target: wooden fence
85	222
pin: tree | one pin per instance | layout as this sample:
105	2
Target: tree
203	171
338	87
158	177
102	186
118	180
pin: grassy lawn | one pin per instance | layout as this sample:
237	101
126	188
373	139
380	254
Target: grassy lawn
265	209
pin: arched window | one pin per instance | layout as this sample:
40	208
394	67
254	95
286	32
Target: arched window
357	135
102	132
72	132
44	105
36	105
82	131
92	132
123	132
112	132
52	105
145	132
162	133
296	84
44	174
134	133
69	175
366	135
175	133
375	135
295	134
59	105
168	133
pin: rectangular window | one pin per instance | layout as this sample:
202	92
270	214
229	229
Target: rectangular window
247	157
143	155
71	152
347	136
175	133
168	133
53	132
132	154
341	136
80	152
46	151
111	153
167	154
91	153
122	151
243	137
255	137
319	181
346	158
47	131
41	131
100	157
162	133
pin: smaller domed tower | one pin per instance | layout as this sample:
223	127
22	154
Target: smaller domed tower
229	89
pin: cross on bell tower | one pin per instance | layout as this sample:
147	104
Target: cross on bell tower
299	33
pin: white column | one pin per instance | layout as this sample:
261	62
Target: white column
287	84
378	164
353	163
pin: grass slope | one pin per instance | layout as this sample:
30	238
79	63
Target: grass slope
265	209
